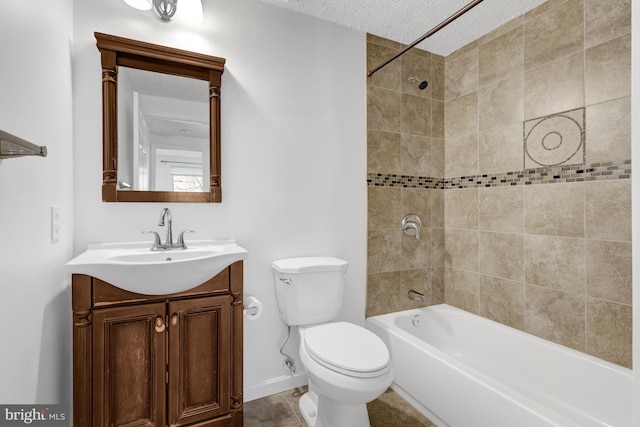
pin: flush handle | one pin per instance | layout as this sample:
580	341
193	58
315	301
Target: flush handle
286	280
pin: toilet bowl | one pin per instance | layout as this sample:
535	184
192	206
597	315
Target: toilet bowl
346	364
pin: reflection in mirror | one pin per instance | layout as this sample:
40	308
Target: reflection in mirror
163	132
160	123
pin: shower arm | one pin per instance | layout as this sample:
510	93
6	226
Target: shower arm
429	33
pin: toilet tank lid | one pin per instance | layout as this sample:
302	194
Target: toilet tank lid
309	264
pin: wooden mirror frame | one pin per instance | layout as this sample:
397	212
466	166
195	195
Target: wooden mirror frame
118	51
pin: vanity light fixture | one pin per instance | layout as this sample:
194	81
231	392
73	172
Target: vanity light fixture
167	10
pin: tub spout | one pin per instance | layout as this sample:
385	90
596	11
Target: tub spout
416	296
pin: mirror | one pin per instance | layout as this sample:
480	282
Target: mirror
161	123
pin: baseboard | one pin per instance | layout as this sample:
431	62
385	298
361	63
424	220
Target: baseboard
273	386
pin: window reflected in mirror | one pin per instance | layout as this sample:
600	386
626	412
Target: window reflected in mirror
163	132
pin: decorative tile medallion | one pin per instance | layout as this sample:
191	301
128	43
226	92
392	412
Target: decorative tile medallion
554	140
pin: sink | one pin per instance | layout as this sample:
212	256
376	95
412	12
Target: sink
135	268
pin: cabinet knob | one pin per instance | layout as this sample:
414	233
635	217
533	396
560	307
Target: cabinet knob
160	324
174	320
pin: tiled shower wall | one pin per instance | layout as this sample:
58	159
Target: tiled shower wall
405	139
535	203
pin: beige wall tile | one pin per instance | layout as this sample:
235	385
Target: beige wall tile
605	20
461	75
384	250
607	70
416	155
437	157
608	210
501	209
461	156
554	209
437	247
501	30
383	151
416	115
371	38
461	289
388	77
461	116
437	285
416	253
383	109
416	201
501	255
609	327
419	66
501	57
437	78
501	103
383	207
461	249
461	208
543	8
437	119
609	270
555	262
555	316
554	87
555	140
554	34
437	208
387	292
608	136
500	149
462	51
502	300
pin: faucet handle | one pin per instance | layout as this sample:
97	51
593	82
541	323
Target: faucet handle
157	243
181	238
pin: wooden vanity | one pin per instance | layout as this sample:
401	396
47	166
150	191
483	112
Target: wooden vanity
158	360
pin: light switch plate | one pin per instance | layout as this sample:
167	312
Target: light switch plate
56	223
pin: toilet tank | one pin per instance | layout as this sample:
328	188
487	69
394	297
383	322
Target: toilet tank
309	289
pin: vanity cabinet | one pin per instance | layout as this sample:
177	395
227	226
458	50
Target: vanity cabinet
158	360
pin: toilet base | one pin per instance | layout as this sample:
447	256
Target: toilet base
332	413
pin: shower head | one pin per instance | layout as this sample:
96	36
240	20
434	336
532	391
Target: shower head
422	85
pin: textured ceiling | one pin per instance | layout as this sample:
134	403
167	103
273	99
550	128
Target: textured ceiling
407	20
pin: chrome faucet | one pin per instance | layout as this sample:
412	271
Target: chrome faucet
416	296
165	216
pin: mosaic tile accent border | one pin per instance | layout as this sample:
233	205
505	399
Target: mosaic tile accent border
619	169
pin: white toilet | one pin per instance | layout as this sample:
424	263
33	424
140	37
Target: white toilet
347	365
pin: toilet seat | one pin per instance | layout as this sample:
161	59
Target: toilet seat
348	349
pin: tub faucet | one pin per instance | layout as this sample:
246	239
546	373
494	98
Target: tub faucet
165	216
416	296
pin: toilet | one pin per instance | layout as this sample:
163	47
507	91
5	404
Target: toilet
346	364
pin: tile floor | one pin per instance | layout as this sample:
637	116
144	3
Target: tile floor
281	410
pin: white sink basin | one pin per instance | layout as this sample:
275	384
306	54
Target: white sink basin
135	268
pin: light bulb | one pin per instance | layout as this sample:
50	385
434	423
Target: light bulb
139	4
190	10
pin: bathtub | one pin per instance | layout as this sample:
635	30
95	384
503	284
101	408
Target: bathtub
463	370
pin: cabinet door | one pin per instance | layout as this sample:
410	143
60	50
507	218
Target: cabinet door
199	359
129	368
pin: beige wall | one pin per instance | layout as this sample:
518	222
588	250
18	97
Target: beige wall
537	230
405	148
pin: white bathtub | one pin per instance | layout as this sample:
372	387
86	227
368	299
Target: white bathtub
463	370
